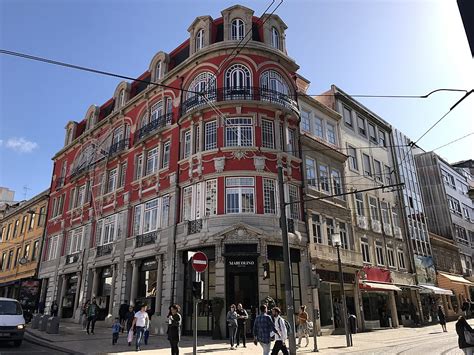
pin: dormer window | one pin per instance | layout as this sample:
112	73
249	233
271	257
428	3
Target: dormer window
275	38
122	98
158	71
90	122
69	136
199	40
237	29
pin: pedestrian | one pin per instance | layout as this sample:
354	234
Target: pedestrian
262	329
92	311
303	330
141	322
280	338
242	317
129	316
465	307
146	335
54	309
442	318
174	328
115	330
122	313
232	324
253	316
84	314
41	307
465	336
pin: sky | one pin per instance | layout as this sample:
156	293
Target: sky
406	47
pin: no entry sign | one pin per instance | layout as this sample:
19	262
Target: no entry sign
199	261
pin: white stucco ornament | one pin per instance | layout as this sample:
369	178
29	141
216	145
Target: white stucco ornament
219	164
259	163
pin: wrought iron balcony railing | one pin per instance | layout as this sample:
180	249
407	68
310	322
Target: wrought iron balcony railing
145	239
104	250
194	226
72	258
153	126
59	182
240	93
119	146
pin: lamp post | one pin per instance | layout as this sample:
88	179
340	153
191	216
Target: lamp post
336	240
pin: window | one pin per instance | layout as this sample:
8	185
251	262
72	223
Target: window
2	234
268	137
292	143
401	259
2	263
202	89
346	113
8	231
35	251
465	211
75	240
361	126
122	98
293	194
10	257
199	40
378	170
123	174
237	29
316	227
311	178
396	221
32	221
197	138
111	182
324	178
344	237
336	182
353	164
156	111
331	133
275	38
23	224
391	257
318	127
80	194
269	196
42	216
461	234
18	255
53	247
305	121
151	161
448	178
138	166
26	251
158	71
237	78
166	154
384	209
107	230
187	144
239	132
187	203
271	82
454	205
15	229
330	229
372	133
382	141
211	198
359	198
388	175
367	167
374	211
379	253
199	199
147	216
240	195
210	135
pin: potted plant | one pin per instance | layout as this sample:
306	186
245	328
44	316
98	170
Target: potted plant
217	306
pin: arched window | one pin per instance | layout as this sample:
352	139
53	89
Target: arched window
158	71
201	90
237	82
272	82
156	111
199	40
237	29
90	122
275	38
122	98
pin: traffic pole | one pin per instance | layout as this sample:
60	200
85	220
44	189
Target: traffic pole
195	330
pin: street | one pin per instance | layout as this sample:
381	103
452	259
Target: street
26	348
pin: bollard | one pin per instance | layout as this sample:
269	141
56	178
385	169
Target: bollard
53	325
43	323
35	321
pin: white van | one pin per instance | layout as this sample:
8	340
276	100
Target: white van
12	323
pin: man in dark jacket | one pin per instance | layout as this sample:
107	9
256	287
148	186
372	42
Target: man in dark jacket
122	313
174	328
463	329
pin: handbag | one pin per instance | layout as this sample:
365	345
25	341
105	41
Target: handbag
469	337
130	336
310	324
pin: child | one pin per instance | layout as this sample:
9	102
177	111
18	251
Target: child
115	331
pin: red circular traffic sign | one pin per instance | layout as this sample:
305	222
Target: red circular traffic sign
199	261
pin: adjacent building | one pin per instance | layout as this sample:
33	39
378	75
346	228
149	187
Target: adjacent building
183	159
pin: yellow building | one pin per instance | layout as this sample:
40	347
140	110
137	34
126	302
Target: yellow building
21	234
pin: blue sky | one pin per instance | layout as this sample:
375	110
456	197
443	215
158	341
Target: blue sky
364	47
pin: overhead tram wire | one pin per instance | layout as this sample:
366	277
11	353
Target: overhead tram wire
454	141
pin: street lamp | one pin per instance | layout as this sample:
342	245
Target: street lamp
336	240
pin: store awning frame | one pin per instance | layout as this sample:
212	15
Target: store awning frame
378	286
436	290
457	279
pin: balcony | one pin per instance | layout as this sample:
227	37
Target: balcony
241	94
146	239
376	226
397	232
102	250
59	182
387	229
79	171
194	226
362	222
119	146
329	253
72	258
153	126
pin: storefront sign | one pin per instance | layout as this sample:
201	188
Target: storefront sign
236	264
375	274
149	265
333	276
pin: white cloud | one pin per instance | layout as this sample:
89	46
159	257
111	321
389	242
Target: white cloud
20	145
1	142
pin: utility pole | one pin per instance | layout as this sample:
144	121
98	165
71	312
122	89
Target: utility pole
287	262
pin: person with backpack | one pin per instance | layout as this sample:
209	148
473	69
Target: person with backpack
92	311
281	335
465	336
262	329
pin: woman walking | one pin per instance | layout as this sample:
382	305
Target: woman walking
303	330
442	318
465	336
174	329
232	324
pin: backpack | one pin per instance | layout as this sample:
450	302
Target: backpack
287	326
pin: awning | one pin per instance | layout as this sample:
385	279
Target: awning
458	279
381	286
435	290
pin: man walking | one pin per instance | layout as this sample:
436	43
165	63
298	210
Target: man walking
280	337
92	311
242	317
141	323
262	329
122	313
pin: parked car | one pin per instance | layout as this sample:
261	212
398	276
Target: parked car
12	322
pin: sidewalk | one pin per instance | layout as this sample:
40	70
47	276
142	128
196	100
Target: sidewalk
75	340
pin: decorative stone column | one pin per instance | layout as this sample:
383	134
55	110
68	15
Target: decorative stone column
159	284
61	295
95	283
393	309
134	290
112	290
78	291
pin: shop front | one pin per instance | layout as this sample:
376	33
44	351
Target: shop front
431	297
69	297
461	292
104	291
147	284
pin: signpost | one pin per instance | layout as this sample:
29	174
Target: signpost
199	263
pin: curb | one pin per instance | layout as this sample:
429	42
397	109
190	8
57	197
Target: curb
32	338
